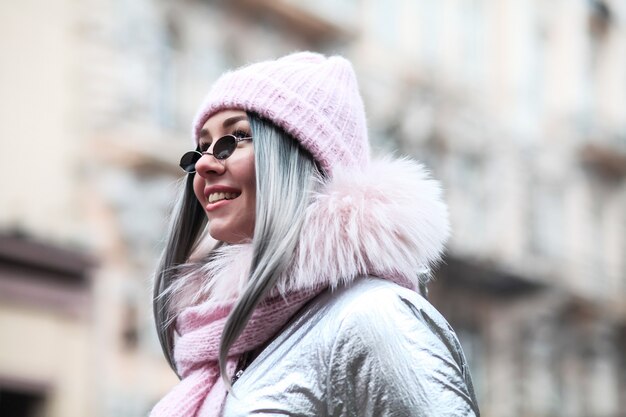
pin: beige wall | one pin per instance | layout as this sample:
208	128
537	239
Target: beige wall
38	125
51	350
514	91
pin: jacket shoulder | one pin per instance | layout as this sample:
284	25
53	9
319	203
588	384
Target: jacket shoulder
394	350
374	297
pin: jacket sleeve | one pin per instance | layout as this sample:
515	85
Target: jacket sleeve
397	357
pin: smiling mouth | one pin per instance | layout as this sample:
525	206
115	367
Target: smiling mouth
215	197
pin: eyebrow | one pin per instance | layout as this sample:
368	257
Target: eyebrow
228	122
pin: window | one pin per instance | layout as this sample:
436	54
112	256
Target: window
18	403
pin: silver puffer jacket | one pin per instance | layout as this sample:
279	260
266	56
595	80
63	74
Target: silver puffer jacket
371	348
366	346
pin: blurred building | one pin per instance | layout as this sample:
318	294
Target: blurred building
44	317
524	123
516	106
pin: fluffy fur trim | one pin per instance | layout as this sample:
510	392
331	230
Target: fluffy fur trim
387	220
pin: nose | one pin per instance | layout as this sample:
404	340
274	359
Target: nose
208	164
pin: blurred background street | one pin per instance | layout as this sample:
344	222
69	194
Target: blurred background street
517	106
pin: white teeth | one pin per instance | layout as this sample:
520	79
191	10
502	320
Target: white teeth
213	197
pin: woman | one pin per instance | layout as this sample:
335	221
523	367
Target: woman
304	302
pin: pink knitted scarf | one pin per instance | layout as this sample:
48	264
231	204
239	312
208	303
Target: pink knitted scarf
202	392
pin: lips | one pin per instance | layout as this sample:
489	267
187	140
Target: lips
215	197
218	195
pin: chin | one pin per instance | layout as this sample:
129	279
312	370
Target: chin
229	236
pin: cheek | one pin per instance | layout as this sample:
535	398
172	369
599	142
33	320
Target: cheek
198	188
250	172
251	188
247	175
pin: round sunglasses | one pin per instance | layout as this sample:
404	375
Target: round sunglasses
222	149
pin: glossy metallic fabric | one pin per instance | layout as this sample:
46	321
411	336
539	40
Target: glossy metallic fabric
371	349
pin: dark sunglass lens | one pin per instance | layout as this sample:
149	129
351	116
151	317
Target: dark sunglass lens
188	161
224	147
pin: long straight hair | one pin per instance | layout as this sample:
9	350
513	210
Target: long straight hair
186	224
286	174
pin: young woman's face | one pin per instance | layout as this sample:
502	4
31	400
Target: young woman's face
227	188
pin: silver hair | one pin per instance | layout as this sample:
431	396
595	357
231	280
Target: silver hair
286	176
186	225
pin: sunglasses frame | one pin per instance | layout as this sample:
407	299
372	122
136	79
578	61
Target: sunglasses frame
200	154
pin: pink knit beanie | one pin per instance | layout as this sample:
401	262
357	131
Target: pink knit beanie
312	97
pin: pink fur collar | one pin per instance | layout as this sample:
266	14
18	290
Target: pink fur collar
387	220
